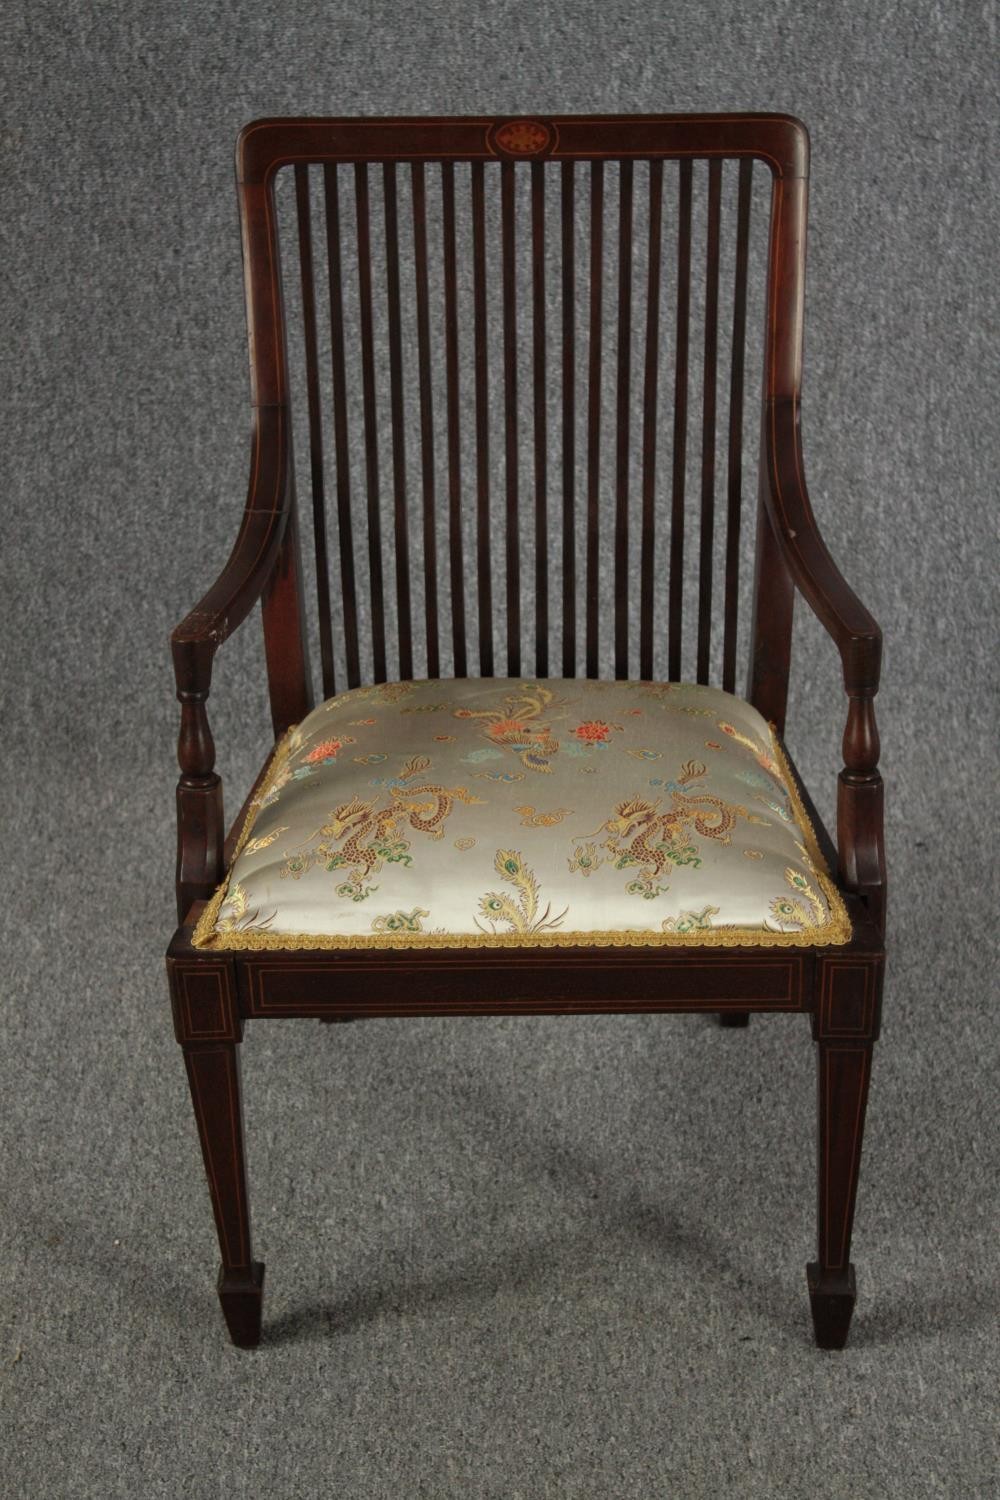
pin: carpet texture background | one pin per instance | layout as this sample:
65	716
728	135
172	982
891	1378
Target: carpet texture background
546	1257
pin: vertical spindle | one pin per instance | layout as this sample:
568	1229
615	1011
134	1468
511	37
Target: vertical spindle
540	393
314	407
707	536
679	466
735	476
401	524
594	414
509	282
455	550
649	417
481	328
419	195
622	455
370	420
345	532
568	421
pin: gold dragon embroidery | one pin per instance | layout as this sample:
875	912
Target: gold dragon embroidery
640	835
364	834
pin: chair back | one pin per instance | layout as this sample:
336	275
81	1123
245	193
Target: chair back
516	359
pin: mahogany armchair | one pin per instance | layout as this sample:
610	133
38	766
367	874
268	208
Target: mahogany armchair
435	837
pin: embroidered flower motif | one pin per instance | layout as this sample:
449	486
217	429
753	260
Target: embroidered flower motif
506	726
326	752
594	732
585	859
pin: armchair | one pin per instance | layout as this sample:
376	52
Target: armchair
614	838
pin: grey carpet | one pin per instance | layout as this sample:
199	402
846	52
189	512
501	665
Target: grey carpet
550	1257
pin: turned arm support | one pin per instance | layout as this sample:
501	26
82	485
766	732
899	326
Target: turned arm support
255	553
860	835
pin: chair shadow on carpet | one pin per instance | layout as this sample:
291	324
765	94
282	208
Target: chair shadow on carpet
761	1304
613	1212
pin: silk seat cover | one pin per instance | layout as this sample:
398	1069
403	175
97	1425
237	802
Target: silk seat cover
508	812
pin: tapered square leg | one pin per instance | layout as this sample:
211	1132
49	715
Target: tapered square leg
214	1077
210	1029
845	1026
734	1018
832	1300
241	1294
844	1070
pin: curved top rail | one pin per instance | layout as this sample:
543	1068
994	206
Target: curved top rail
265	145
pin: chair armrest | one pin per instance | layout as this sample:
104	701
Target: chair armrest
241	582
860	817
853	629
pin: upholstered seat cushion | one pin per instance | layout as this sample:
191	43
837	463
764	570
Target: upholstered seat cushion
500	812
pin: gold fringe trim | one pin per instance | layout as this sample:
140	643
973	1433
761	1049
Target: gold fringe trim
832	933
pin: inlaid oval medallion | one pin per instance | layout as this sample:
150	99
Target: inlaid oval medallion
522	137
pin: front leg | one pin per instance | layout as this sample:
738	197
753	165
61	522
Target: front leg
846	1026
209	1030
